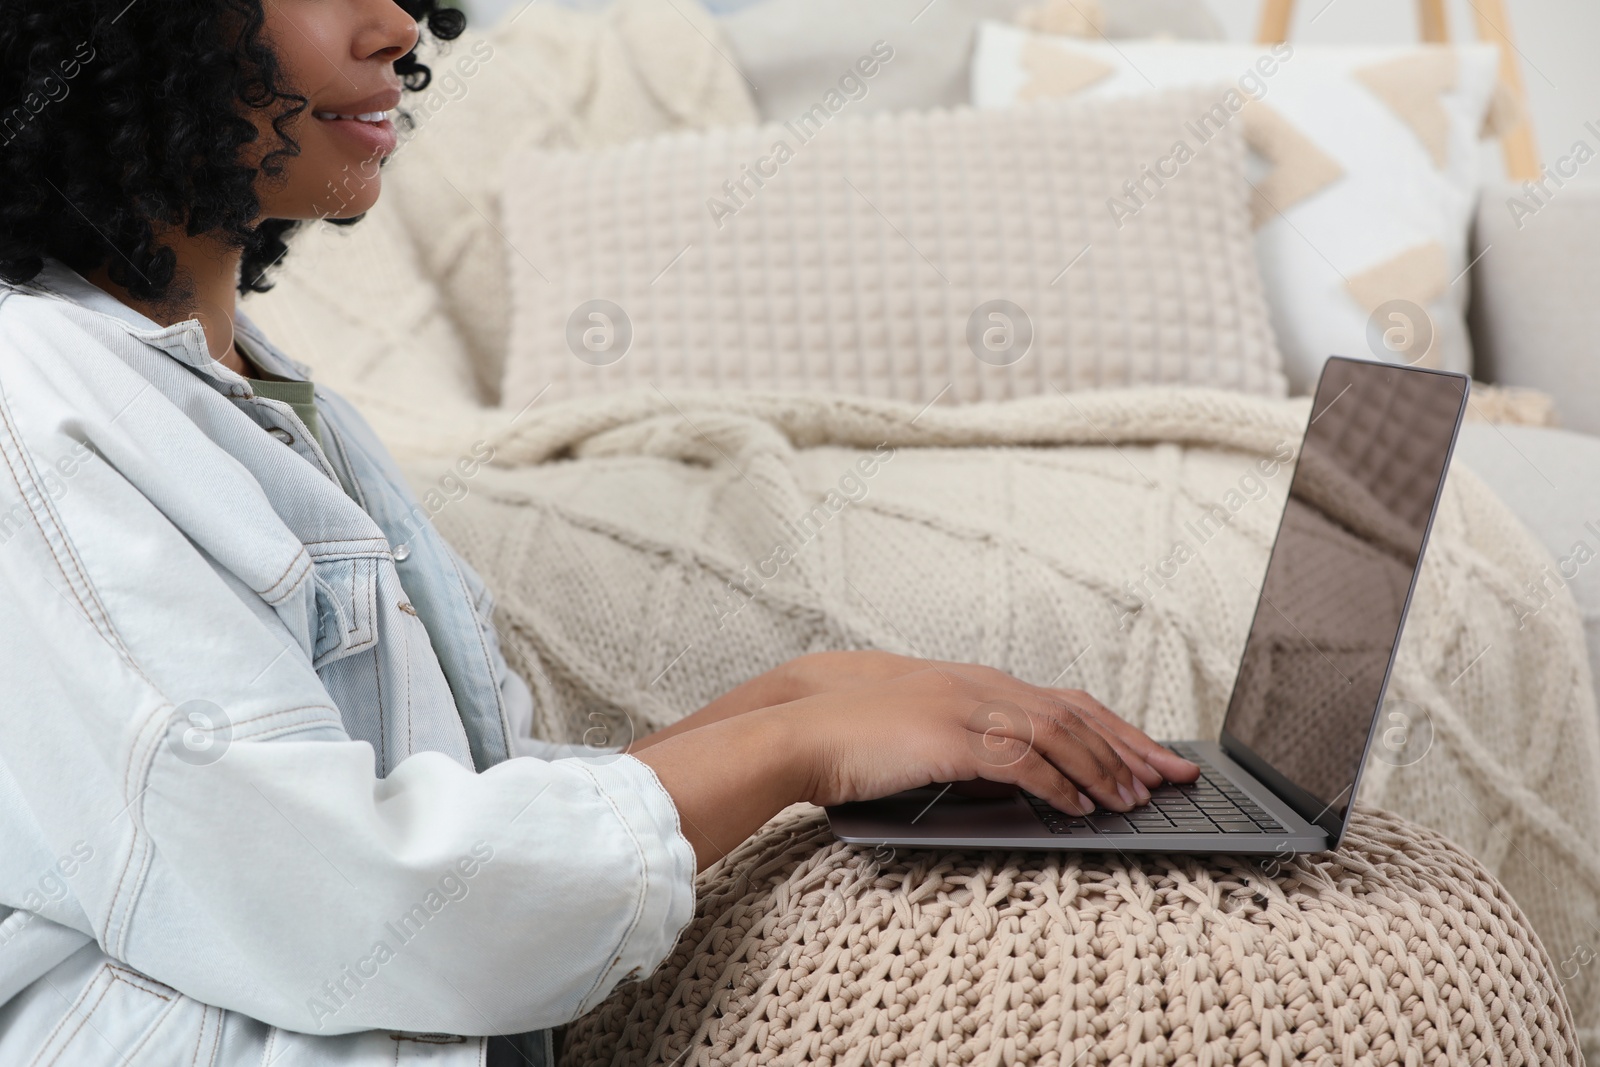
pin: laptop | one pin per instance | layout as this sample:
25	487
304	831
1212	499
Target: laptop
1282	776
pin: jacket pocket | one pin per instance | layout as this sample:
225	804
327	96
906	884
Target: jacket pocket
347	607
111	1022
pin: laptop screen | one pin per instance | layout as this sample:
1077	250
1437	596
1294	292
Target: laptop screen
1339	579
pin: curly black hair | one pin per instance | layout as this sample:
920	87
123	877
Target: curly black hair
116	117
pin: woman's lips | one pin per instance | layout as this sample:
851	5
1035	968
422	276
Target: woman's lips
372	130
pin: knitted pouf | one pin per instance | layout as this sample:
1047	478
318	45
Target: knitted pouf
1398	948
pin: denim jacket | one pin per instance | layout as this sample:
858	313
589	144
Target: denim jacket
266	794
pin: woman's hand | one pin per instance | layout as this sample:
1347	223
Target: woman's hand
934	724
829	672
821	673
824	672
955	723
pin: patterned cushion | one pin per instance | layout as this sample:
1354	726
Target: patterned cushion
1365	172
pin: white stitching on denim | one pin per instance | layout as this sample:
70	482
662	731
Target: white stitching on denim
644	890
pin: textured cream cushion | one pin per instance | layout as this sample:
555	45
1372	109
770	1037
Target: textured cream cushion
1365	169
871	262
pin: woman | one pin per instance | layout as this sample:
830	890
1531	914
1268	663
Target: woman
266	789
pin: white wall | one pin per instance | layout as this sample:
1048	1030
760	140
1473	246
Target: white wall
1558	40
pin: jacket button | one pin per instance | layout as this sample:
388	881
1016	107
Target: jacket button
402	553
281	434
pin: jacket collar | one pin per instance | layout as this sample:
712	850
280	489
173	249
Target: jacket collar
184	341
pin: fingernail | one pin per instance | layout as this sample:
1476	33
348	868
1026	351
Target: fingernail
1085	805
1126	794
1143	791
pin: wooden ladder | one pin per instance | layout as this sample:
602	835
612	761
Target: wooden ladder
1522	156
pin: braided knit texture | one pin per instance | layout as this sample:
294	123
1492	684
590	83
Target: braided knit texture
1397	949
652	550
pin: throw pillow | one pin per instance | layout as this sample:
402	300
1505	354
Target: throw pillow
956	254
1364	174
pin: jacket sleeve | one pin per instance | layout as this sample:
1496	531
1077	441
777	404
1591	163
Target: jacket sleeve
243	849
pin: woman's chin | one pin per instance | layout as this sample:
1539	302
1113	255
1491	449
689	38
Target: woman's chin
358	206
343	195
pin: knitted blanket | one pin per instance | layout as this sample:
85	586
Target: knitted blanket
649	552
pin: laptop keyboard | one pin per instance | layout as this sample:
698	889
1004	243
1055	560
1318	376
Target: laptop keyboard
1210	805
